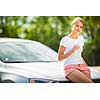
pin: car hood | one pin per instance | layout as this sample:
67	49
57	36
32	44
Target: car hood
94	73
43	70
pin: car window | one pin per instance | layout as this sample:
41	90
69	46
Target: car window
26	52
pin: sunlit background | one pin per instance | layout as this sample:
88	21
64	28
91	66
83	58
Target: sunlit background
50	29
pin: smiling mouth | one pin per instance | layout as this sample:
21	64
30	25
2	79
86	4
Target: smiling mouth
77	30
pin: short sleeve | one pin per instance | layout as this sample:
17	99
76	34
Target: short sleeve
63	41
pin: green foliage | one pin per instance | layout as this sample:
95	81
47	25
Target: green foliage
92	47
50	29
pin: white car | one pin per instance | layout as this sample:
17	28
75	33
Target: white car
25	61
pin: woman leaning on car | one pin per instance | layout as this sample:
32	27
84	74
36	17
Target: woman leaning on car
70	50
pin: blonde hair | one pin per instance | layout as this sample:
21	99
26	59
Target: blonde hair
77	19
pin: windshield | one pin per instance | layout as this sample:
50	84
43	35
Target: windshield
26	52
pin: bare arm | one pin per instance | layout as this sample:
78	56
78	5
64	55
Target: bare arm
62	56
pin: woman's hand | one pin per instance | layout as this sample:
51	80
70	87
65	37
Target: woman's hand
62	55
75	47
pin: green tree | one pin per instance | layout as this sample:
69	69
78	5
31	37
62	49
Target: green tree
92	47
50	29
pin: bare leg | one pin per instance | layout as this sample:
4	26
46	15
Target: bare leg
89	76
79	77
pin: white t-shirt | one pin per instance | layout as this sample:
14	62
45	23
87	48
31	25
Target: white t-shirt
76	57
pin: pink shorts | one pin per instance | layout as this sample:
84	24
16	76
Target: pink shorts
81	67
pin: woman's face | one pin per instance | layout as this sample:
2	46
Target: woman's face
77	27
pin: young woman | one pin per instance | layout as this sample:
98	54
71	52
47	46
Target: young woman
70	50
